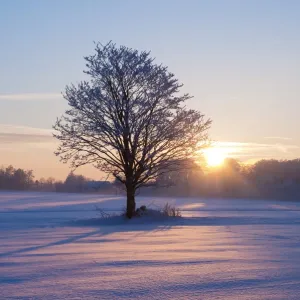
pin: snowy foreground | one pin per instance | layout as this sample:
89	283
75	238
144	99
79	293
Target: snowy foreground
53	247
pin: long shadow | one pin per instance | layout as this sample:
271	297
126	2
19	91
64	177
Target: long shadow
106	226
57	243
117	224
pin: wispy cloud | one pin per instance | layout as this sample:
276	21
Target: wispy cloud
278	138
30	97
12	135
250	151
23	135
18	129
9	138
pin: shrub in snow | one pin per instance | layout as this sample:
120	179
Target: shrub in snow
167	211
141	211
103	214
170	211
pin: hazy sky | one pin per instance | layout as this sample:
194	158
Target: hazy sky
240	60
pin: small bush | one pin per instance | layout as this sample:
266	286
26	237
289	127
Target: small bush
103	214
170	211
143	208
141	211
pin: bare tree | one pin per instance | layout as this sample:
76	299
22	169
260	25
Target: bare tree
129	120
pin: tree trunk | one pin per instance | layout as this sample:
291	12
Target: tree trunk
130	210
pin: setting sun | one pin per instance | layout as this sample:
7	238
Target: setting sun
214	156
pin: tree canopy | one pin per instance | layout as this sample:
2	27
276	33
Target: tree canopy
129	120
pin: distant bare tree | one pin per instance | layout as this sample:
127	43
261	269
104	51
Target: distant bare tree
129	120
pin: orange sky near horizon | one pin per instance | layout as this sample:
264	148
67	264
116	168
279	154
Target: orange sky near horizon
33	148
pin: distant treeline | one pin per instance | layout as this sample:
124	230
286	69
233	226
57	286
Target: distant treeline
265	179
272	179
15	179
19	179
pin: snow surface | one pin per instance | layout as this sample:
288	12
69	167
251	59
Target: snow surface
53	246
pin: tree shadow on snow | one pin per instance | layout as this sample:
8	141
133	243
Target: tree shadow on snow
117	224
69	240
104	226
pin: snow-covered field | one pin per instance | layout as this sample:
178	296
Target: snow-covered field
52	247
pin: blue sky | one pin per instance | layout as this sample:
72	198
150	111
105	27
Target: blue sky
240	60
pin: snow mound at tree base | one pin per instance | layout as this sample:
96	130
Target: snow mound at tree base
146	217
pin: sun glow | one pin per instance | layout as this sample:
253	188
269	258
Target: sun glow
214	156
